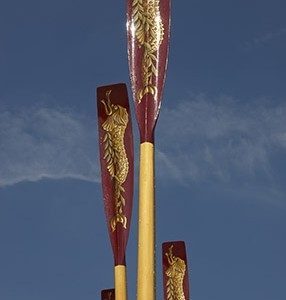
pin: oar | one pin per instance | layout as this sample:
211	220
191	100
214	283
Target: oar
116	158
108	294
148	23
175	271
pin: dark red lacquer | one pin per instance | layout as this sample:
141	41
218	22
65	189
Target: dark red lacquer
118	97
175	267
108	294
148	28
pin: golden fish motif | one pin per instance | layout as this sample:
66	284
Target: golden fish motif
176	274
115	154
149	33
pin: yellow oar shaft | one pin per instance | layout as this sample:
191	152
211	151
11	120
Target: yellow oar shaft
146	226
120	283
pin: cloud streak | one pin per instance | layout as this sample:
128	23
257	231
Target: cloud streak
49	143
264	39
200	140
221	140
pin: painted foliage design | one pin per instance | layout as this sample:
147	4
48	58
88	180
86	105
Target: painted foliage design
115	154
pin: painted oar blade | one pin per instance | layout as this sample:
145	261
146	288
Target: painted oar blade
148	29
108	294
117	164
175	271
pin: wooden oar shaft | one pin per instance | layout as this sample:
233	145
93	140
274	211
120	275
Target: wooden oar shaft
120	282
146	226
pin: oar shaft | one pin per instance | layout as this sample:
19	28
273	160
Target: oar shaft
120	283
146	226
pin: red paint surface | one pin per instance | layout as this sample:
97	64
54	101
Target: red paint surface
179	250
119	237
108	294
147	110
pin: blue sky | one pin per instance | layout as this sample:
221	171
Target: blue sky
220	147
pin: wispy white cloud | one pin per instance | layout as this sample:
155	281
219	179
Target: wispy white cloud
199	140
50	143
220	139
264	38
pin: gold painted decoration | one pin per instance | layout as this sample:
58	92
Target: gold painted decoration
115	154
109	295
149	32
175	273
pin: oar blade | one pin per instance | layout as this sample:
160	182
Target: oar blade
175	271
148	29
117	166
108	294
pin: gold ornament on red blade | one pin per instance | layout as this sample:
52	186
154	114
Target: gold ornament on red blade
149	32
108	294
115	154
175	273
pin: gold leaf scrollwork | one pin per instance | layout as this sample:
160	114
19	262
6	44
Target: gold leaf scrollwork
115	155
175	273
149	32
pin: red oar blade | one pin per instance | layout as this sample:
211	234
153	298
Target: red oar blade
117	166
175	271
148	28
108	294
